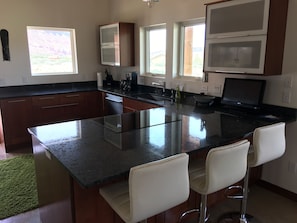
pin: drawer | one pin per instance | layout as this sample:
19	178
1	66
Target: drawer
47	100
71	98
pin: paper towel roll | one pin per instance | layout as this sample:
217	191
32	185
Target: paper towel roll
99	79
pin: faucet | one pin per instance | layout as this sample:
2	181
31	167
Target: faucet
160	84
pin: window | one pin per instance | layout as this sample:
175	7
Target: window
192	36
52	51
155	50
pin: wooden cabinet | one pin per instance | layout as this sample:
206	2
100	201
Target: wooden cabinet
92	104
245	36
20	113
130	105
53	186
117	44
16	118
62	107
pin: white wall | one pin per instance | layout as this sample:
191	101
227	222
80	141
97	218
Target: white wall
83	16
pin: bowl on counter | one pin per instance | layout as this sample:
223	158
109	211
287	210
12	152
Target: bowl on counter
204	100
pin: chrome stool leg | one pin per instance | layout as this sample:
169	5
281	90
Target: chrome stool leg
203	215
203	209
243	218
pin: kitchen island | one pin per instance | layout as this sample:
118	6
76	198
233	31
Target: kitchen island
74	159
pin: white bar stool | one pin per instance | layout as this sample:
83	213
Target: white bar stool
269	143
224	166
152	188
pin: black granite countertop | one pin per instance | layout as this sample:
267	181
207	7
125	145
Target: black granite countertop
46	89
96	151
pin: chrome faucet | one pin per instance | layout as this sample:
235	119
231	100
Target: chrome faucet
160	84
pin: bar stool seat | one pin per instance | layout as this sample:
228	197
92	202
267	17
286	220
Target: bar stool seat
152	188
269	143
224	166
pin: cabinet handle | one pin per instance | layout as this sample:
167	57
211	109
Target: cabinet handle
231	36
46	98
72	95
229	71
60	106
17	101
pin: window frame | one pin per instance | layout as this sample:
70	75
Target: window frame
181	40
72	45
146	52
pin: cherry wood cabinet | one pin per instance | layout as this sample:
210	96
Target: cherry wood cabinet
20	113
62	107
130	105
16	118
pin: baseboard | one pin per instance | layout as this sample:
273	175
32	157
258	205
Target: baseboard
276	189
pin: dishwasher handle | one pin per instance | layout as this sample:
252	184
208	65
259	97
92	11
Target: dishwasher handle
114	98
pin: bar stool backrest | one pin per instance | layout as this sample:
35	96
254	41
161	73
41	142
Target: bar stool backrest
225	166
269	143
158	186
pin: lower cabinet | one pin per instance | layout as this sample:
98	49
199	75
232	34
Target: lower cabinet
20	113
130	105
17	116
63	107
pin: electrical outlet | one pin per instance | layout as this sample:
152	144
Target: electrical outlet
288	81
204	89
217	89
286	96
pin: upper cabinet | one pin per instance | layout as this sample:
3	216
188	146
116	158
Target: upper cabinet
245	36
117	44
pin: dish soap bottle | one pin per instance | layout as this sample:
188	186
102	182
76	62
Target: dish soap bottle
177	95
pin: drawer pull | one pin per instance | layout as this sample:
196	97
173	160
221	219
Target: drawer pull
60	106
17	101
46	98
72	95
229	71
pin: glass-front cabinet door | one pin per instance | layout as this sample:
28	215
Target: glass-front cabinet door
236	55
117	44
245	36
110	55
109	41
109	34
237	18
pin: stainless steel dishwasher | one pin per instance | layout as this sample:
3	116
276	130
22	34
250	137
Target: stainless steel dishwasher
113	104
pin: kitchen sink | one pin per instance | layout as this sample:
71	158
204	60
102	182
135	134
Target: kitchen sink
153	97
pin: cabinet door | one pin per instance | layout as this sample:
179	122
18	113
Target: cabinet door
237	18
117	44
16	118
109	34
71	106
236	55
130	105
93	104
46	109
110	55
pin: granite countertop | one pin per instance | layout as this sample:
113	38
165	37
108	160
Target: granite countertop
96	151
46	89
